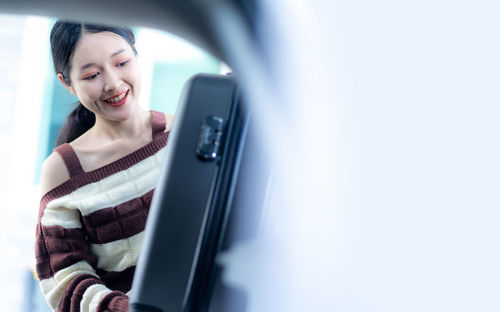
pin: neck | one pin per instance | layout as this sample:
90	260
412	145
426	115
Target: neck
112	130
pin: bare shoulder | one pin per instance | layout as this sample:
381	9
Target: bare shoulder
169	118
54	172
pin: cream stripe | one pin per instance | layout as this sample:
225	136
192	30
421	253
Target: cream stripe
53	288
118	255
92	297
108	192
60	215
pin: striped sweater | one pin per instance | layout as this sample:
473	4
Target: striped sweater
90	228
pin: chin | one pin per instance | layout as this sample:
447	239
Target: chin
121	113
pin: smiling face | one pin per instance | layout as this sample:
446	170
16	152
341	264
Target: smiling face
105	76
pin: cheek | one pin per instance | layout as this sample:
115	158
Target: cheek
89	92
134	79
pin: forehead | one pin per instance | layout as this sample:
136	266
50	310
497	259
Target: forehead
94	47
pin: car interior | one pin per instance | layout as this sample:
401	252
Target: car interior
198	210
345	160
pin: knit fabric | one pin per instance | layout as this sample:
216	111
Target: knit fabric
90	228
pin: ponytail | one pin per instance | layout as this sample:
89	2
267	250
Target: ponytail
77	123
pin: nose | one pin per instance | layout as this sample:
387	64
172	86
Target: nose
111	81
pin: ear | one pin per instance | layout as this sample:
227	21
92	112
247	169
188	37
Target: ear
67	86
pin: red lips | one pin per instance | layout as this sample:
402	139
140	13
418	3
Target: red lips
119	103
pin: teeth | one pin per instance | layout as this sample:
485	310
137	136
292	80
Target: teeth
118	98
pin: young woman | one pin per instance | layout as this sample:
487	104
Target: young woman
98	183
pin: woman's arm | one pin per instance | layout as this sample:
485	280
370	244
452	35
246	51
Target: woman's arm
66	266
54	173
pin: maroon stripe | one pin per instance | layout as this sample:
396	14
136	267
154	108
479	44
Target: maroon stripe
74	292
115	301
121	281
98	174
158	122
58	248
43	269
70	159
119	222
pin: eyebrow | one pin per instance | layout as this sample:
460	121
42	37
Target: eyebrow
92	64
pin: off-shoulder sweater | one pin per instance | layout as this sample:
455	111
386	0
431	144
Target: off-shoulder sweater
90	228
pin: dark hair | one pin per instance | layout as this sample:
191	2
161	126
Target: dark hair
63	40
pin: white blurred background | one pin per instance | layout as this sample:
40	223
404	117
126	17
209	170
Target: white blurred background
396	107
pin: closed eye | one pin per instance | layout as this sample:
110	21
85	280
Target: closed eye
122	64
91	76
